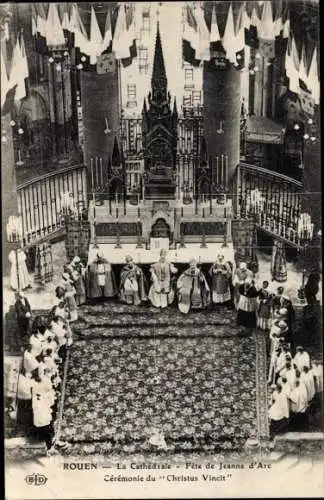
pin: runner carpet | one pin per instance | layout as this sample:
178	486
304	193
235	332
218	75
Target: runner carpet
193	378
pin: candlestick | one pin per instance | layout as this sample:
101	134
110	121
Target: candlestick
116	198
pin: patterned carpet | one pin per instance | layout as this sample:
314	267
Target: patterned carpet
202	391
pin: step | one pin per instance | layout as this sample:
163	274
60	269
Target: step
122	315
93	331
146	321
301	443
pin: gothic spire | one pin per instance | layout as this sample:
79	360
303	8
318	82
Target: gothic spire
203	151
175	109
159	79
116	156
144	110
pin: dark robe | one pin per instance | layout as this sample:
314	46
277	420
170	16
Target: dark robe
193	291
22	307
312	288
100	271
133	286
79	284
264	309
220	275
246	313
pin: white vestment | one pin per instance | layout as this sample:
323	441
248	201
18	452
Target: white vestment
290	375
317	371
308	380
41	403
37	342
19	277
30	362
280	408
281	361
273	367
298	399
161	293
301	359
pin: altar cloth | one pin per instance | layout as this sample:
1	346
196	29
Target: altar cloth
144	256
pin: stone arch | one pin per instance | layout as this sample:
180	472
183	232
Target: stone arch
160	229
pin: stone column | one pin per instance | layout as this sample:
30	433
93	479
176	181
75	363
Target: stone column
222	102
258	87
8	187
99	98
60	106
311	198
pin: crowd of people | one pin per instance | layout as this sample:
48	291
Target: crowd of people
296	389
45	341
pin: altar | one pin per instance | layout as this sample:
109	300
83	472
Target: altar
157	224
178	255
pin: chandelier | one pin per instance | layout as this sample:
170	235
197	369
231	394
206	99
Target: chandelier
14	229
305	228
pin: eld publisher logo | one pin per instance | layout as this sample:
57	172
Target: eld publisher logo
36	479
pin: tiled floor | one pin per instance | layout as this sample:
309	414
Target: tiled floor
42	298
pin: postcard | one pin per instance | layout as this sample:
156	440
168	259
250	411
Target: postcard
162	242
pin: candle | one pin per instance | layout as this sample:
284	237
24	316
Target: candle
226	164
92	176
222	169
97	172
217	167
116	198
101	171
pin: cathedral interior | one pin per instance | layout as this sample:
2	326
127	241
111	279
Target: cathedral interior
132	128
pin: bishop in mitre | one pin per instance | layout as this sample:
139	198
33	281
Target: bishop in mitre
193	290
161	293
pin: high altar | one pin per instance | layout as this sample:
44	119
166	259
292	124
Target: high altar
191	222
